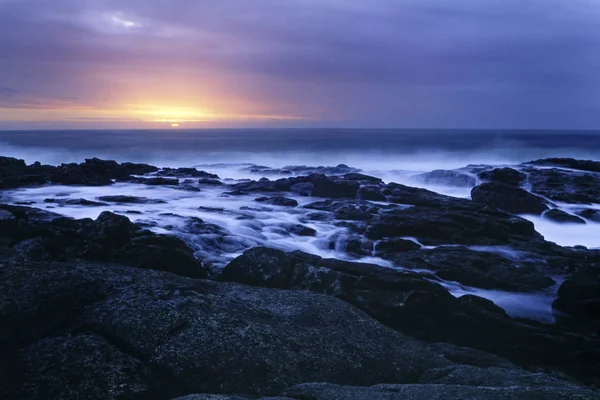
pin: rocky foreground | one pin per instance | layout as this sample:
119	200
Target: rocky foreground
105	309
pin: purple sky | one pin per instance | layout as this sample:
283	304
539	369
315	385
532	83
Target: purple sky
292	63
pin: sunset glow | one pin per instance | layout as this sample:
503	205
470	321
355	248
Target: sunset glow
414	63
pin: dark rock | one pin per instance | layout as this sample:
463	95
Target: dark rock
109	238
395	246
508	198
303	188
326	391
565	186
211	182
278	201
590	213
301	230
75	202
581	165
473	268
160	181
187	172
562	217
130	200
504	175
414	305
579	298
91	331
373	193
333	188
447	178
362	178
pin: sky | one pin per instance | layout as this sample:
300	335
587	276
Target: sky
494	64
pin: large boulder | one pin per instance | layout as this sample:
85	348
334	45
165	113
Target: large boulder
447	178
578	300
571	163
480	269
575	187
110	238
415	305
93	172
508	198
562	217
326	391
77	330
505	175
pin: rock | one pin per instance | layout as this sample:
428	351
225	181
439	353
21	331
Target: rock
75	330
76	202
109	238
590	214
447	178
572	187
278	201
562	217
395	246
208	181
187	172
333	188
508	198
467	356
302	188
130	200
160	181
505	175
301	230
474	268
325	391
362	178
579	298
93	172
372	193
581	165
413	304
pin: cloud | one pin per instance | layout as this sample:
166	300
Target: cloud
382	62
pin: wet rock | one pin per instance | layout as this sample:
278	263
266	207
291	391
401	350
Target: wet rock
208	181
562	217
372	193
109	238
301	230
447	178
130	200
566	186
581	165
278	201
362	178
302	188
187	172
411	303
590	213
395	246
111	332
473	268
333	188
579	298
325	391
505	175
160	181
75	202
508	198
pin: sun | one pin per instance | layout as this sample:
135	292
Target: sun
175	125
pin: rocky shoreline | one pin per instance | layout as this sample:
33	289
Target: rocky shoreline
108	308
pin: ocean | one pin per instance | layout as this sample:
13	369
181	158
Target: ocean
237	155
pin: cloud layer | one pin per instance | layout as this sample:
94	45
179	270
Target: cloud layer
382	63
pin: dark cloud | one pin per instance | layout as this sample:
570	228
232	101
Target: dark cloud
434	63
